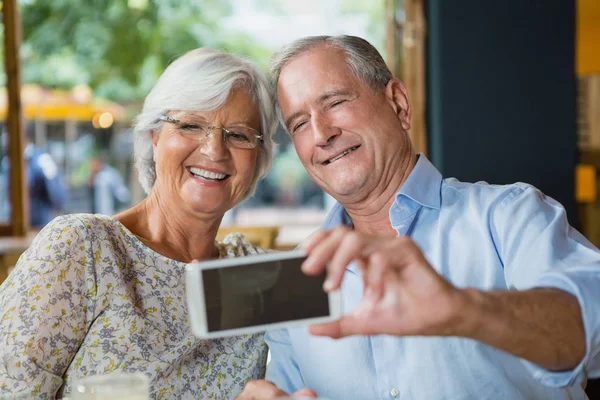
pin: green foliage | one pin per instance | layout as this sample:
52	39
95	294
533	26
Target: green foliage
375	9
119	47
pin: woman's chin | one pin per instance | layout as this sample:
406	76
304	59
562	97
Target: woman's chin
210	201
214	205
212	208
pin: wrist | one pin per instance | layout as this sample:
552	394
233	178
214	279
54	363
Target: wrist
468	304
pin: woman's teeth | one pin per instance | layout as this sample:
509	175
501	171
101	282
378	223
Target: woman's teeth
202	173
350	150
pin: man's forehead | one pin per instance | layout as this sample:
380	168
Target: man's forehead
315	72
319	60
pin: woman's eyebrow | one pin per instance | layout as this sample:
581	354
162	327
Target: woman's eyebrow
190	118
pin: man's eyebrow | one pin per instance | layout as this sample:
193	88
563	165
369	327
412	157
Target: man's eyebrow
332	93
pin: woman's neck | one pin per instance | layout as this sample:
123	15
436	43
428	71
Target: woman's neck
171	231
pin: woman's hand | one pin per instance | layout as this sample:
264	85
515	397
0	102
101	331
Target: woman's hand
403	294
265	390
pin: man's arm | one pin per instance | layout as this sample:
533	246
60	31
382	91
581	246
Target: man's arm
542	325
404	295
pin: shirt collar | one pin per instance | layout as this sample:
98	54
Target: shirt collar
423	186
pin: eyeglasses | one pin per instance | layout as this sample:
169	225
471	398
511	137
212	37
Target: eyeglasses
240	137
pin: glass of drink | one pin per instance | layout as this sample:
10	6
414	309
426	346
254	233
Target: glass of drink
115	386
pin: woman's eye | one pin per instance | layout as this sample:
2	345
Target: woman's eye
190	127
238	137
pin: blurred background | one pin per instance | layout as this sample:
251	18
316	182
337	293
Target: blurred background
502	91
86	67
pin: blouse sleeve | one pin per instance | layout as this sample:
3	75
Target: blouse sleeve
46	307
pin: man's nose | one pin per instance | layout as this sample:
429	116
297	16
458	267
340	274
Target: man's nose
323	131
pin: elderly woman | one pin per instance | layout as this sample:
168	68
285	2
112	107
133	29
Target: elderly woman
95	294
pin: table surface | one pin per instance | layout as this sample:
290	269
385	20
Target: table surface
10	244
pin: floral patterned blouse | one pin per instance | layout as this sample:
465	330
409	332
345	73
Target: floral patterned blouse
88	297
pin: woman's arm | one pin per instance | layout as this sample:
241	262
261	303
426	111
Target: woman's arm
46	307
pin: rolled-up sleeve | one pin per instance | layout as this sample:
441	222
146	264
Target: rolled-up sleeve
282	369
539	248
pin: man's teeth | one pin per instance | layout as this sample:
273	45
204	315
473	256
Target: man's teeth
351	149
202	173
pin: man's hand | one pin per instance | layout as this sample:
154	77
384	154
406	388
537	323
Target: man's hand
403	294
265	390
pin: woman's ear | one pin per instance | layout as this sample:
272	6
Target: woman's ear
154	137
397	96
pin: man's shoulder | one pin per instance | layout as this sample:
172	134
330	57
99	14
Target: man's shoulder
455	192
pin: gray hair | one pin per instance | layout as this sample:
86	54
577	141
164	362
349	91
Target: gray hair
201	80
362	58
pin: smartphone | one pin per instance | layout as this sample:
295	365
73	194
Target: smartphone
256	293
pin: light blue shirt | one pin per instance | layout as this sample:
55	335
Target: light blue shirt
475	235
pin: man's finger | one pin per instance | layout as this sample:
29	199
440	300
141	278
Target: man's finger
345	326
260	389
332	329
349	248
373	277
321	254
304	393
314	239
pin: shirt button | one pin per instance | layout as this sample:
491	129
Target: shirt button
395	393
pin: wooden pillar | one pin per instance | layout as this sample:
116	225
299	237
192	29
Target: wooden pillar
14	121
392	47
405	56
413	70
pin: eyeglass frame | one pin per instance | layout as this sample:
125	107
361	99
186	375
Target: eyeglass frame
209	128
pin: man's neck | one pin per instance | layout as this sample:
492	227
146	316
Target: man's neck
371	214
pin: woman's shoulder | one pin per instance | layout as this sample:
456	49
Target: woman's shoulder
73	230
78	224
237	245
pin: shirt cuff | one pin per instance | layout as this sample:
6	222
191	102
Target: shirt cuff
582	284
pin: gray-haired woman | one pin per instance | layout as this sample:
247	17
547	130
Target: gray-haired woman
95	294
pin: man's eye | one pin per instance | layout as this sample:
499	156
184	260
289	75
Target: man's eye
299	125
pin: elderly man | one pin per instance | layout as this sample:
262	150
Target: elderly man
453	290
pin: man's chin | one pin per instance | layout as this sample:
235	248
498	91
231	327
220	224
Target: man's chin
345	189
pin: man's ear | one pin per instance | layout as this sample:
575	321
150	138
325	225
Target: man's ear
397	96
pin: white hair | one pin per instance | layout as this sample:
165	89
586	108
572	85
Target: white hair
201	80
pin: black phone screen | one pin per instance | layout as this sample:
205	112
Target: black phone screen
262	293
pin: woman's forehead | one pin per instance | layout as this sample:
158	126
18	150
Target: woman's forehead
238	106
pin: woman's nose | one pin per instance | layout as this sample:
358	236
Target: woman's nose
212	144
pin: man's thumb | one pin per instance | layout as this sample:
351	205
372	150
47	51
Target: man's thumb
305	393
